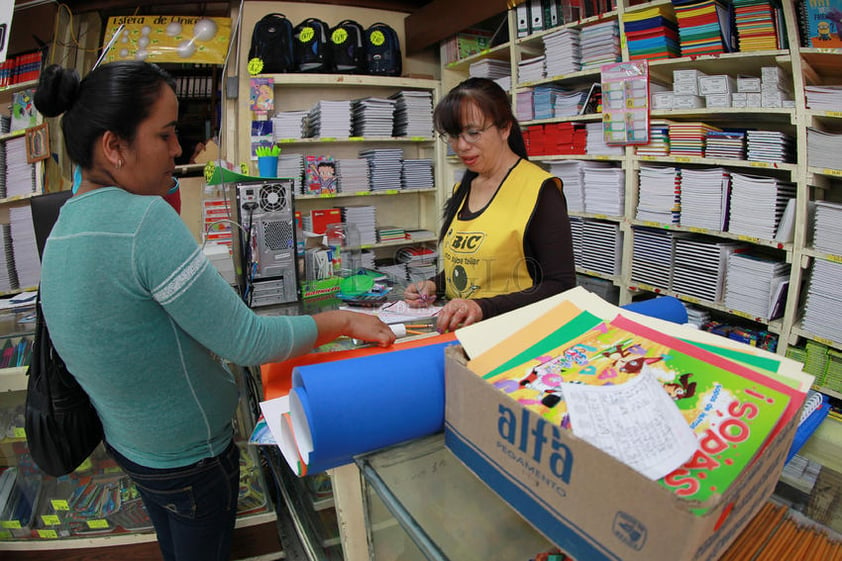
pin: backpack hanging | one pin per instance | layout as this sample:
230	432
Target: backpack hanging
383	50
312	53
271	42
347	48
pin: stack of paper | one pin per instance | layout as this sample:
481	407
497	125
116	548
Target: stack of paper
659	196
604	191
699	266
577	228
329	119
562	51
688	139
417	174
373	116
523	105
3	170
292	166
531	69
602	245
704	26
659	140
769	146
390	234
20	176
823	98
652	33
352	175
600	44
27	262
8	278
289	125
823	310
570	103
413	113
596	142
364	218
823	149
727	145
704	198
756	25
757	204
490	68
544	100
652	257
572	175
828	227
385	167
755	284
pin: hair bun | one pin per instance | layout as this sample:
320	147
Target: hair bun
58	89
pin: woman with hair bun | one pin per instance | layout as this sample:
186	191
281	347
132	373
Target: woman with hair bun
141	317
505	239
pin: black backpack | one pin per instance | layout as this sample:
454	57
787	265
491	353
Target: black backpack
312	53
383	50
271	42
347	47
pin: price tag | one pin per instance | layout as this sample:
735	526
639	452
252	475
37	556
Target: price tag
418	139
834	258
19	432
51	520
59	504
833	113
363	193
10	524
392	191
97	524
47	534
356	138
327	195
683	159
748	239
328	139
691	299
836	172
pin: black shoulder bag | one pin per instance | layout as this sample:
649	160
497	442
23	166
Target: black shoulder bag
62	427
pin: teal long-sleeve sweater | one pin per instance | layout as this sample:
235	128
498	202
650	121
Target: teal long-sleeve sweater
141	318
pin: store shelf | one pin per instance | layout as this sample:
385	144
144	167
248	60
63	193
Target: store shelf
352	80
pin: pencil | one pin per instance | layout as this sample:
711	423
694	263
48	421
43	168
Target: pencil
417	325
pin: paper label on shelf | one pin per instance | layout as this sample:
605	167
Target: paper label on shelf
97	524
20	432
10	524
51	520
59	504
47	534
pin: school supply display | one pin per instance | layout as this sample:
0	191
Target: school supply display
62	427
272	45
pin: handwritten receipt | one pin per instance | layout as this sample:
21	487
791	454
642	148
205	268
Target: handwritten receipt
637	423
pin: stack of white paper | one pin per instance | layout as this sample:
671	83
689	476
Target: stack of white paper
704	197
523	105
417	174
596	142
753	283
531	69
601	246
659	196
292	166
20	176
413	113
561	49
352	175
2	170
571	173
757	204
385	167
329	119
699	266
826	98
27	262
577	228
769	146
490	68
652	257
364	218
828	227
289	125
8	278
600	44
604	191
823	149
544	99
373	116
823	310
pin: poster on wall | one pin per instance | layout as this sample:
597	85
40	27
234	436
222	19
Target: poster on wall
7	10
178	39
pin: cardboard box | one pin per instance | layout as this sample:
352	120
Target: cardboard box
746	84
586	502
717	84
687	101
686	81
661	100
718	100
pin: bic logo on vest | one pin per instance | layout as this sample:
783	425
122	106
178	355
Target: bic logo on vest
467	242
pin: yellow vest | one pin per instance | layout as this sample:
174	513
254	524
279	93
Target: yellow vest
484	257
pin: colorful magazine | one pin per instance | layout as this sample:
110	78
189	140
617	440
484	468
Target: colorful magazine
732	409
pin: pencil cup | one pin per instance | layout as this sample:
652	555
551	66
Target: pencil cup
267	166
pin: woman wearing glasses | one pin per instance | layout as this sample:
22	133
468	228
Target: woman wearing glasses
505	239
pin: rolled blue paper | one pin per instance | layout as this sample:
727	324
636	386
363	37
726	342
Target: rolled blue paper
668	308
363	404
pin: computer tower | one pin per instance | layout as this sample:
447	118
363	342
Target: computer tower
267	242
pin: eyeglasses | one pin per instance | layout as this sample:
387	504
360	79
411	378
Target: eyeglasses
471	136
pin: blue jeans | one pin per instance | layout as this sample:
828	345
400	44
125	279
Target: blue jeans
193	508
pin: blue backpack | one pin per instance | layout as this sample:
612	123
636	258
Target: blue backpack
312	51
383	50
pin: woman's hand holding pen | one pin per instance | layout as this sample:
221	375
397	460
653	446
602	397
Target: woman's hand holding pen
458	313
420	294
